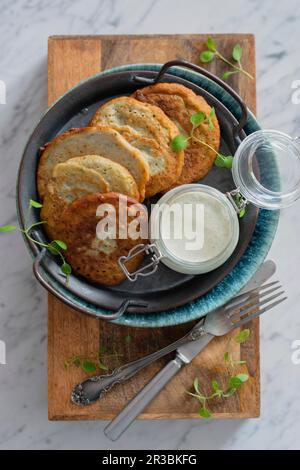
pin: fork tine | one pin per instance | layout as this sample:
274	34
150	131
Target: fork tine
258	313
250	293
260	303
254	305
250	302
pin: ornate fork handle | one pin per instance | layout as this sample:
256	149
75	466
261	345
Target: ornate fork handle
92	389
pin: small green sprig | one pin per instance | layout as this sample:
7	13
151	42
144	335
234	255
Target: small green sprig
180	142
232	362
240	338
56	247
223	161
234	382
212	52
89	366
243	336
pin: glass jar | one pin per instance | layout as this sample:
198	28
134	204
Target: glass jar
266	173
172	252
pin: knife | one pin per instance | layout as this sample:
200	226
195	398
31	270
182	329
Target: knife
184	355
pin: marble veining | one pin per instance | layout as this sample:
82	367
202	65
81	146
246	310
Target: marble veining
25	26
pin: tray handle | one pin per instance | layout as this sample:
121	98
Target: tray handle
206	73
39	275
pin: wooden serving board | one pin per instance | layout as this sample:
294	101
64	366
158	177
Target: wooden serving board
71	59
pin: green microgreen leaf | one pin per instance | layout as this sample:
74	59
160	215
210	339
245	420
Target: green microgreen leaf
60	244
53	249
215	385
197	118
89	367
196	385
102	366
200	397
237	380
35	204
242	377
227	357
207	56
223	161
66	269
180	142
230	392
239	362
237	52
228	73
234	383
243	336
211	45
210	118
205	413
8	228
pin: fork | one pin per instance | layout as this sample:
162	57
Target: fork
236	313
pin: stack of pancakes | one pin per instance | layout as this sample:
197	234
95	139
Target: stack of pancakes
126	150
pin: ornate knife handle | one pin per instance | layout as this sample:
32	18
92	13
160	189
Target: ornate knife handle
92	389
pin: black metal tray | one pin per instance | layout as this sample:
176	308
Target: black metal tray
166	289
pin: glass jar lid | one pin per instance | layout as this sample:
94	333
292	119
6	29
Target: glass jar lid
266	169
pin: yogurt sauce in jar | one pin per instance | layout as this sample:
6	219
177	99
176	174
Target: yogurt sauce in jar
195	228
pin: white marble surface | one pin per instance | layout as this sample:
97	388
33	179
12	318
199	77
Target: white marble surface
25	26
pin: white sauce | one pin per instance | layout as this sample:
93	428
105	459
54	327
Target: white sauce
200	230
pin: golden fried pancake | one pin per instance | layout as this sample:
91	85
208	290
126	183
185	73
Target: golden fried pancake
99	140
69	182
179	104
117	177
91	256
53	207
150	131
72	180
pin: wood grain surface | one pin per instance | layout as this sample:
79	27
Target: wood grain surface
71	59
